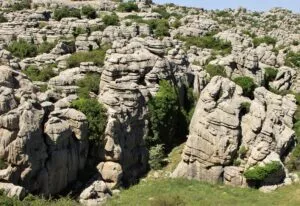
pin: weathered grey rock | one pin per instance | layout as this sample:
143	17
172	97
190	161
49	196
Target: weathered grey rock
42	153
214	132
12	190
284	79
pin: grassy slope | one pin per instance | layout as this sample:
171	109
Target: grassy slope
164	191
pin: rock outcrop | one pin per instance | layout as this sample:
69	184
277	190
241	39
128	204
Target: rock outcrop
224	142
43	152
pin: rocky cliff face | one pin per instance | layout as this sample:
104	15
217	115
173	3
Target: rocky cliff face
220	130
43	150
43	141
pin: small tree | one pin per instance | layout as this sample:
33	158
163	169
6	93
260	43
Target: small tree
96	116
89	12
164	112
156	157
247	85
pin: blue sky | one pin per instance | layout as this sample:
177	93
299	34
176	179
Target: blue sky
250	4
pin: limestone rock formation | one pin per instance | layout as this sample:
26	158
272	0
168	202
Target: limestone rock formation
214	132
43	153
220	134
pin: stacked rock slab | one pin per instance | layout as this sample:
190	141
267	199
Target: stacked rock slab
42	152
131	75
214	132
219	129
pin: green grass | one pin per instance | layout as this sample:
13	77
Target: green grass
190	192
36	201
96	56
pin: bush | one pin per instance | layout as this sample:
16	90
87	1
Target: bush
2	18
78	30
162	28
90	83
45	47
165	117
128	7
270	75
111	20
64	12
247	85
96	56
245	108
162	11
266	39
209	42
24	4
292	59
2	164
215	70
242	151
156	157
89	12
294	161
259	173
22	49
96	116
35	74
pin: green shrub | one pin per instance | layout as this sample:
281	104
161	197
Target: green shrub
90	83
96	116
24	4
245	107
65	11
266	39
2	18
156	157
45	47
247	85
128	7
270	75
134	17
35	74
294	161
162	28
209	42
292	59
259	173
243	151
176	24
165	117
22	49
215	70
2	164
162	11
89	12
96	56
111	20
78	30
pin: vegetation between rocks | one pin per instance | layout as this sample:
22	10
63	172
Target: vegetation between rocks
97	56
96	116
259	173
36	74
